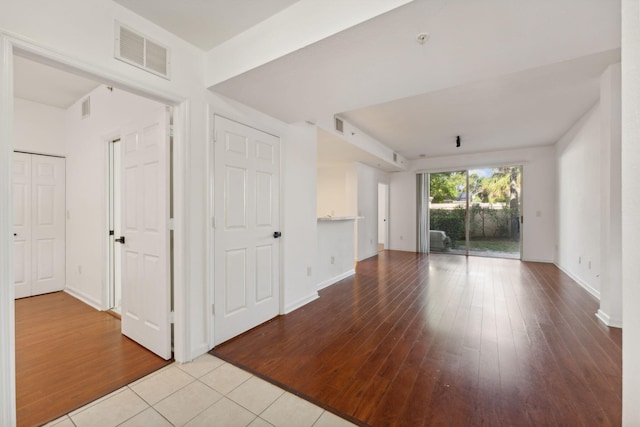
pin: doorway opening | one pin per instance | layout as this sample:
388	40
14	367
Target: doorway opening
78	128
475	212
383	216
115	229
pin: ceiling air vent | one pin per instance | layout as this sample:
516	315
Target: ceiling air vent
86	108
136	49
339	125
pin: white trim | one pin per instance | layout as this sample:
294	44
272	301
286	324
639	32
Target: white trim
181	195
209	230
106	289
366	256
580	282
7	290
546	261
607	320
301	302
77	294
336	279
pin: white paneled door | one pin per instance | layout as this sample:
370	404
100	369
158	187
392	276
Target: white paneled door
146	292
247	228
39	224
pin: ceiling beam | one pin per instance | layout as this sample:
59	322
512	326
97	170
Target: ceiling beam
298	26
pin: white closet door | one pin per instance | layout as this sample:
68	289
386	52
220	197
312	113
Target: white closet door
48	224
39	224
22	224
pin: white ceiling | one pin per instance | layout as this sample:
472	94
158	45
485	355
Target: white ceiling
525	109
499	73
206	23
47	85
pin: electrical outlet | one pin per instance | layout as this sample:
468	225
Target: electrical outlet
579	260
333	260
589	265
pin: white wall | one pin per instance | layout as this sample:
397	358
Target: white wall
87	173
538	196
299	233
578	201
336	251
335	192
610	310
367	226
630	210
38	128
402	211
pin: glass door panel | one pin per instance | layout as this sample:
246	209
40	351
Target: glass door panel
476	212
494	212
447	212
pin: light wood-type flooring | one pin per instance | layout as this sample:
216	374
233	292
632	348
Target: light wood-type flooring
68	354
416	339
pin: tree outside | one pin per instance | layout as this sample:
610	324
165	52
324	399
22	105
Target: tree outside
494	196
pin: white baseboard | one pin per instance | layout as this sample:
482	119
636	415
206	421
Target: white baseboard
580	282
301	302
607	320
336	279
366	256
83	297
546	261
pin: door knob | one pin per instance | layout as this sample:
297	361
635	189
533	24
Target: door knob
276	234
120	240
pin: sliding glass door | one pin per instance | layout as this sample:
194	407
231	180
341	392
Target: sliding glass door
475	212
448	212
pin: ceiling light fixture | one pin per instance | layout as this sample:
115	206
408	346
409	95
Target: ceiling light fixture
422	38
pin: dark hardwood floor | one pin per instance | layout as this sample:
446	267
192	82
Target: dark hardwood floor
445	340
69	354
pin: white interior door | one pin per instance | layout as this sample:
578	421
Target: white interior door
246	251
39	224
144	210
48	224
22	224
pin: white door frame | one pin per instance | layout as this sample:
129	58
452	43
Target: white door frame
385	214
8	45
110	299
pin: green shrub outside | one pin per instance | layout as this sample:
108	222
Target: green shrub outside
451	221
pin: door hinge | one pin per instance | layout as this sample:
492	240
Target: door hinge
111	233
172	317
170	224
215	136
171	131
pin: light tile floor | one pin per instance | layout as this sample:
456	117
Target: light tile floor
206	392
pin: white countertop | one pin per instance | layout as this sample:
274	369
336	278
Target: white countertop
339	218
